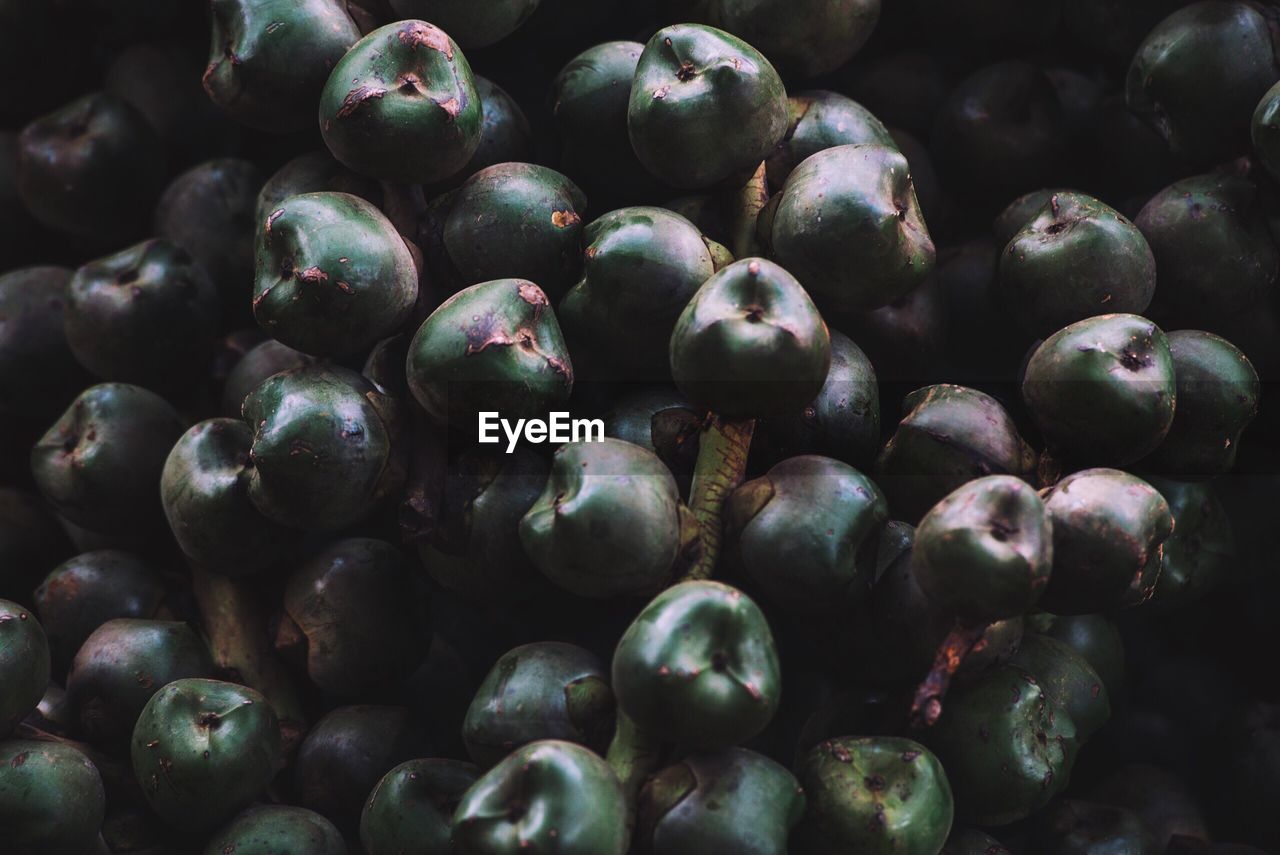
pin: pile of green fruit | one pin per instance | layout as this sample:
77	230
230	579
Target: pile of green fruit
921	490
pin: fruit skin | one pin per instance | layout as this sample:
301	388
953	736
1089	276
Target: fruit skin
733	800
1265	131
51	798
204	749
1074	258
874	795
91	169
30	541
705	106
505	135
402	105
314	172
714	683
315	428
259	363
547	796
270	76
148	314
1102	390
1095	637
659	419
820	120
848	225
989	741
100	463
495	346
38	373
1199	73
806	533
472	25
24	665
750	343
1073	826
121	666
1218	396
608	522
412	807
1201	553
1068	680
544	690
1109	528
985	552
948	436
277	830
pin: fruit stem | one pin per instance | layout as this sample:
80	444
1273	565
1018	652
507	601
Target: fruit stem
722	464
750	202
926	706
633	755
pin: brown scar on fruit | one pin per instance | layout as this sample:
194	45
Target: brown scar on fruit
417	35
271	220
452	107
357	97
564	219
313	276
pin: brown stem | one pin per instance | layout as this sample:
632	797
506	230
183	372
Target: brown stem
926	706
750	202
722	464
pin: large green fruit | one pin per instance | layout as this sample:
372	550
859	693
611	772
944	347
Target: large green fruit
807	38
821	120
24	665
51	799
38	373
472	24
257	364
277	830
411	808
1068	680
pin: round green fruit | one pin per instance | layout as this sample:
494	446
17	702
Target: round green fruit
24	665
1068	680
411	809
51	799
259	363
821	120
277	830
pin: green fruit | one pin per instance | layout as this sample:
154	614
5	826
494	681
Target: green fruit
30	542
750	343
1218	393
1006	747
807	39
278	830
1201	553
1266	131
326	447
1068	680
99	465
38	373
411	808
1198	75
733	800
545	690
495	346
315	172
641	267
1095	637
1024	209
548	796
1102	390
472	24
1073	827
1109	528
402	105
505	135
204	749
51	799
806	533
821	120
948	436
965	841
660	420
698	667
333	275
269	59
1075	258
24	665
121	666
352	617
874	795
609	522
259	363
848	225
705	106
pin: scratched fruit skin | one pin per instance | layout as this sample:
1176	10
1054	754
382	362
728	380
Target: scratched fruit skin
332	275
51	799
24	664
495	346
411	808
204	749
277	830
1068	680
402	105
699	667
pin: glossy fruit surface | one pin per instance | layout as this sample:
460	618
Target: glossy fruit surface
1068	680
820	120
24	664
412	807
277	830
51	798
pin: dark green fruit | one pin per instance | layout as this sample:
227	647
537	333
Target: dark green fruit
1109	528
1266	130
411	808
1075	258
985	551
966	841
99	465
659	419
698	667
121	665
609	522
1102	390
269	59
38	373
1201	553
315	172
51	799
24	665
277	830
948	436
548	796
874	796
705	106
848	225
732	800
1068	680
326	447
259	363
806	533
353	618
807	39
545	690
91	169
821	120
1073	827
30	542
472	24
1006	747
147	314
505	135
402	105
204	749
750	343
1095	637
1023	210
1199	74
